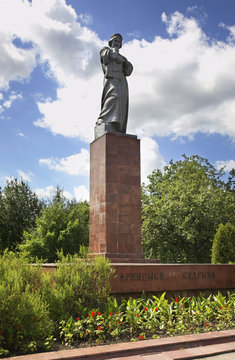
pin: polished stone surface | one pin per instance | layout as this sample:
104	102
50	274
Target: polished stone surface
184	279
115	198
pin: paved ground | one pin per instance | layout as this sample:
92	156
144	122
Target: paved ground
189	353
203	346
229	356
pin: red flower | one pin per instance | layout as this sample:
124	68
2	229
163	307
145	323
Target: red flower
137	315
176	299
156	309
99	328
145	309
99	313
118	322
1	332
229	308
141	337
183	307
225	306
111	314
93	313
117	313
89	315
220	308
78	318
19	327
207	324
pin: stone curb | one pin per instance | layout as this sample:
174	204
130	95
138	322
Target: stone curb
187	354
128	349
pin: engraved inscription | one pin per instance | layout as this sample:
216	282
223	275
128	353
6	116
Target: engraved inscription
152	276
192	275
142	276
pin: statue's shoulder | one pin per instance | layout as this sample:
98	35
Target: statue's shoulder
104	49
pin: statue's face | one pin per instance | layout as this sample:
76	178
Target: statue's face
116	43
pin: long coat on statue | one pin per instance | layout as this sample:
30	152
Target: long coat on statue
114	102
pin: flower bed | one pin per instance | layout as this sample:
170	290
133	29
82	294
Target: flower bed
143	318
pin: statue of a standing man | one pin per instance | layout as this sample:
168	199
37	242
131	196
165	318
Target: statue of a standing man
114	103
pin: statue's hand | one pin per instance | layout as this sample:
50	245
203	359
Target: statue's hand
113	54
121	59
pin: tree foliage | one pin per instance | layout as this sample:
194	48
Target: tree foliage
63	224
223	249
182	208
19	207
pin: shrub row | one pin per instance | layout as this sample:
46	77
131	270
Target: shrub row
32	303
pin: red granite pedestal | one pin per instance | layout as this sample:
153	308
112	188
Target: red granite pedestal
115	198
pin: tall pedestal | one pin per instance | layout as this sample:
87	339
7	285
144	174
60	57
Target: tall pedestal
115	198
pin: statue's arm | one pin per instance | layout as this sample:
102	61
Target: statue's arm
107	55
127	68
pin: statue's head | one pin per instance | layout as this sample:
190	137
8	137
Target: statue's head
115	41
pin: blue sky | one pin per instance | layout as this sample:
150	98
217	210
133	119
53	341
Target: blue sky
182	89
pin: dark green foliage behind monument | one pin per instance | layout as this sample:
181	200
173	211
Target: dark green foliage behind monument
182	208
223	249
19	207
63	225
41	228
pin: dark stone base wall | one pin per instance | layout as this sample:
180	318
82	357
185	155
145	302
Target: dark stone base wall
184	278
176	280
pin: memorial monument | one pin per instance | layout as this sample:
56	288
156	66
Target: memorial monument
115	203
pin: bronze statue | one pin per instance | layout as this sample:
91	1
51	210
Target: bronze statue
114	103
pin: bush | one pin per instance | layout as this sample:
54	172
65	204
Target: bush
78	284
63	225
223	249
25	324
32	302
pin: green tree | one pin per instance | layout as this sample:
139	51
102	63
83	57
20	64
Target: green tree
19	206
63	225
223	249
182	208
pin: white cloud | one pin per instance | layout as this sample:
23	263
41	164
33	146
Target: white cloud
7	103
24	176
47	192
15	63
20	133
86	19
77	164
229	165
81	193
74	112
69	48
151	158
